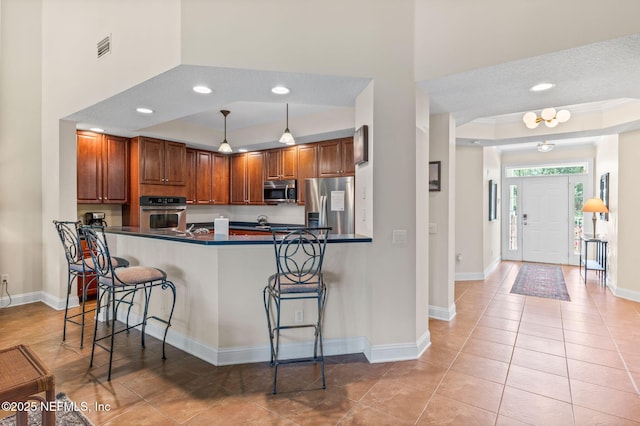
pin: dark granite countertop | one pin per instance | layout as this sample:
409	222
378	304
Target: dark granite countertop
211	239
247	226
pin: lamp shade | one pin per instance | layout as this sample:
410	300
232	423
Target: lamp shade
595	205
287	137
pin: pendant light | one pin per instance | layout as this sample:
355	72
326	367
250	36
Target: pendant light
224	146
287	137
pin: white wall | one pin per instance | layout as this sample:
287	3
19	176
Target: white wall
470	214
20	160
492	168
144	45
461	35
627	282
559	153
607	154
364	172
442	214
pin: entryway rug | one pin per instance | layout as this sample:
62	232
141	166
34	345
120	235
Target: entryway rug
541	281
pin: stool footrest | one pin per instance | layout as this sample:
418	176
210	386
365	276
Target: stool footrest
297	360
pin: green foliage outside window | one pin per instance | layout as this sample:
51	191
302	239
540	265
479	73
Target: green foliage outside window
548	171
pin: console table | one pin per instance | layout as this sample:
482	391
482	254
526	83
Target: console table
596	260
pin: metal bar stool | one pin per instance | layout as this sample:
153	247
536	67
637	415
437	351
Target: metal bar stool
120	286
299	257
78	270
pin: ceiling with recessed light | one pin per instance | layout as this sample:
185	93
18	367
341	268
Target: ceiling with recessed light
598	83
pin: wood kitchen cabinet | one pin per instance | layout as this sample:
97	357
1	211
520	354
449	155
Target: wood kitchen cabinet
207	177
220	178
162	162
307	167
335	158
157	168
191	175
212	178
281	163
246	177
102	168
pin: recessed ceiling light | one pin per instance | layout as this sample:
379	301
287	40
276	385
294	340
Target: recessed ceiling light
144	110
280	90
96	129
202	89
242	150
541	87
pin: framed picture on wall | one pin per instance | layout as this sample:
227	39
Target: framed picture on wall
604	194
434	176
493	200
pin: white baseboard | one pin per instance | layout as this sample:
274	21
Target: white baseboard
398	351
21	299
478	276
624	293
492	266
439	313
58	303
469	276
261	353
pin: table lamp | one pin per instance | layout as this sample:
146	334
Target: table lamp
594	205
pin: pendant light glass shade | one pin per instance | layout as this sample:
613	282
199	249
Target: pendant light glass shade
287	137
224	146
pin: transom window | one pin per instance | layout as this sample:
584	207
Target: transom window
547	170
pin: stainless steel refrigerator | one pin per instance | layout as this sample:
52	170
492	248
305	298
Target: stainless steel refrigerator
330	202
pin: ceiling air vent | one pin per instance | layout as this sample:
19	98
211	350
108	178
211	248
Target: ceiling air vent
104	46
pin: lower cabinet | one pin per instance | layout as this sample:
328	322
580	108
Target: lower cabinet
89	279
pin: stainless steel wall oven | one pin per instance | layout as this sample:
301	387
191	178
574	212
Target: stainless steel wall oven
163	213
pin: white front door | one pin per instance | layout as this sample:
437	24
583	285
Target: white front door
545	220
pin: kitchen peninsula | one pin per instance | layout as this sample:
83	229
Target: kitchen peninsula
219	314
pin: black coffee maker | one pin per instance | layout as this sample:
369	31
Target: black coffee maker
95	218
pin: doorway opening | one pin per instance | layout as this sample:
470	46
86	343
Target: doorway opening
543	210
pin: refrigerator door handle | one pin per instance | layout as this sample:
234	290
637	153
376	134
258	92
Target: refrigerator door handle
322	222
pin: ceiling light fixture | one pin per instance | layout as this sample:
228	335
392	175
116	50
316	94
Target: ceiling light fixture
202	89
548	115
224	146
144	110
545	146
287	137
280	90
541	87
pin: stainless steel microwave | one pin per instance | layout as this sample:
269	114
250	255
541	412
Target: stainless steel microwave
280	191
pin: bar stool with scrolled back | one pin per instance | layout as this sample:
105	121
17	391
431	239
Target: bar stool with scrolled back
120	286
79	271
299	257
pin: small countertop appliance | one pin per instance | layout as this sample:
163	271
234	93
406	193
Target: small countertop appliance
95	218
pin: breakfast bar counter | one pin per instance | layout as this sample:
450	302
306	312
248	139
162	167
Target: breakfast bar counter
219	314
212	239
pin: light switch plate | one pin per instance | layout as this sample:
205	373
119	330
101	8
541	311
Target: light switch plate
399	236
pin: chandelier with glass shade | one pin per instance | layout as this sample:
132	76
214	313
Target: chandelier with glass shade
549	116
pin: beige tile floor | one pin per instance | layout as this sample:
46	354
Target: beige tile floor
505	359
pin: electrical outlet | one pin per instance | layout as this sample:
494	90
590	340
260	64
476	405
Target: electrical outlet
4	278
299	318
